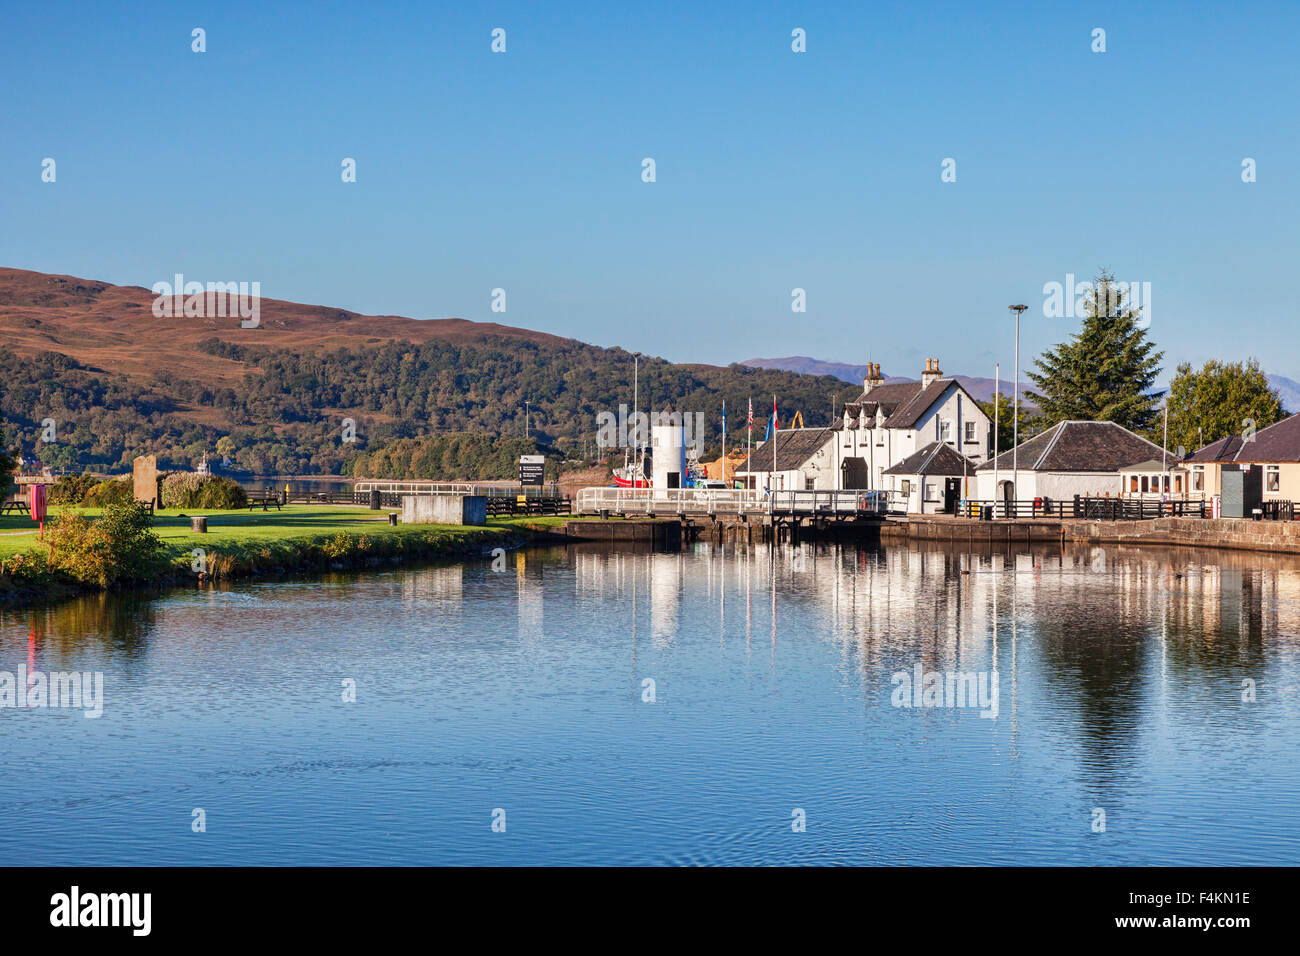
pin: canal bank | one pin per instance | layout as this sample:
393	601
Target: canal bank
239	545
1236	534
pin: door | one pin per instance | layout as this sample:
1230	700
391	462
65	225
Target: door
854	474
951	495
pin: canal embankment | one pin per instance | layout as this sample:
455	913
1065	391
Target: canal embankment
240	545
1238	534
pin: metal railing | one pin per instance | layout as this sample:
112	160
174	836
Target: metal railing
1097	509
737	501
669	501
489	488
851	502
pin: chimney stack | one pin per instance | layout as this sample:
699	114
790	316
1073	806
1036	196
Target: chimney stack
873	378
931	373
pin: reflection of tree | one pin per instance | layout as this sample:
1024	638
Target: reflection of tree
1094	643
118	623
1216	621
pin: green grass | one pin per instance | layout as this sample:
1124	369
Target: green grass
248	530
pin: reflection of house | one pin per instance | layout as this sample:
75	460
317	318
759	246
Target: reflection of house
1070	458
934	479
1275	448
803	460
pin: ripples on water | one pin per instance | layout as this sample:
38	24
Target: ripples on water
1120	689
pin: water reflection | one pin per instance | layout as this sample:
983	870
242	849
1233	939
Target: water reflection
1120	673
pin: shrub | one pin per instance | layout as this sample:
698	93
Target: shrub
114	491
184	489
119	547
70	489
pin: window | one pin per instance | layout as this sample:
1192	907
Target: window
1198	478
1146	484
931	491
971	436
808	484
1133	483
1178	484
945	430
1272	479
907	487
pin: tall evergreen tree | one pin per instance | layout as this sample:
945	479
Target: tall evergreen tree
1106	371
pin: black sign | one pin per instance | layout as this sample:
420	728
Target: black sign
532	469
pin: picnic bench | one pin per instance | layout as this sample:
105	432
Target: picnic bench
15	504
265	499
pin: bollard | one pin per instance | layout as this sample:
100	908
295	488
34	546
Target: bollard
374	500
198	524
392	517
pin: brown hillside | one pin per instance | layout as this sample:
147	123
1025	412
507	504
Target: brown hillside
113	328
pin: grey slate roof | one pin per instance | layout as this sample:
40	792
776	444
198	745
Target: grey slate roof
1278	443
1225	449
793	447
902	402
936	458
1156	465
1079	447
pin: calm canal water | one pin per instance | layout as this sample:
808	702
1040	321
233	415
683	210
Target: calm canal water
523	689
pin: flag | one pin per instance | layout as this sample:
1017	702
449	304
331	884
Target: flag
724	426
776	422
751	414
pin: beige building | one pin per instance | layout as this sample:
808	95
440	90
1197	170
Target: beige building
1276	449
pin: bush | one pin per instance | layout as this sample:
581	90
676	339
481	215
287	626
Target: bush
70	489
185	489
114	491
118	548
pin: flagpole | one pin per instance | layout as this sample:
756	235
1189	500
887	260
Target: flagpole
749	442
774	428
724	441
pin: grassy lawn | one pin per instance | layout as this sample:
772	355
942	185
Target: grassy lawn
249	528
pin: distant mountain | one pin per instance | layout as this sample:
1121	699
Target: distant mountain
1288	390
980	388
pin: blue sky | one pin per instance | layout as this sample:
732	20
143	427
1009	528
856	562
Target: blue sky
775	170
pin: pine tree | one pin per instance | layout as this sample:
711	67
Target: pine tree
1106	371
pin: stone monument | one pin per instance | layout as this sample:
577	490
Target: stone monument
144	473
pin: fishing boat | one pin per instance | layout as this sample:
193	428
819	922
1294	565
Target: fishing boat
633	474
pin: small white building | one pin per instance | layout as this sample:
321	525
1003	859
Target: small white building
1070	458
933	480
803	461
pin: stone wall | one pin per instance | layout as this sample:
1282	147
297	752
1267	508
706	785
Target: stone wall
1235	533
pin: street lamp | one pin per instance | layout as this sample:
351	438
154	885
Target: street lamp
526	418
1015	414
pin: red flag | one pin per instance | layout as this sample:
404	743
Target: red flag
776	422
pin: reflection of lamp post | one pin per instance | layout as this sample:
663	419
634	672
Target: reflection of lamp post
1015	415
